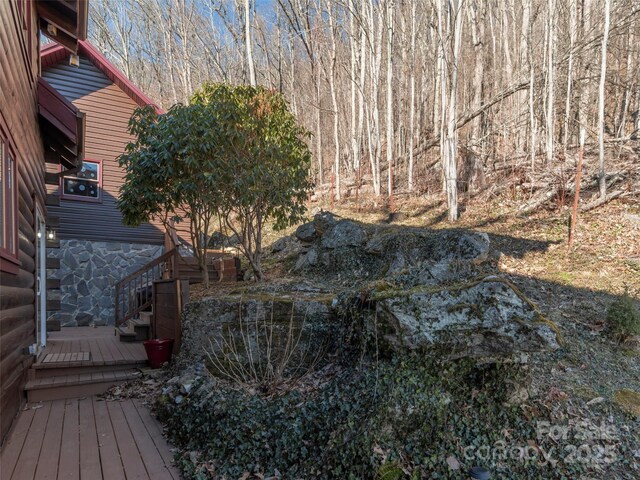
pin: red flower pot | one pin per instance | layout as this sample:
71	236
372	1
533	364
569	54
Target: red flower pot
158	351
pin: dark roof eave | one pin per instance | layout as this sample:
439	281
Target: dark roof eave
70	19
62	125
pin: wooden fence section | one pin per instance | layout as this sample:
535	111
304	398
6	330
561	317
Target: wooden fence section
220	269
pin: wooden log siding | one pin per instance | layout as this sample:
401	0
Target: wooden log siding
108	110
19	120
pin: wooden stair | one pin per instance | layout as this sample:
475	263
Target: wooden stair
136	329
134	293
71	385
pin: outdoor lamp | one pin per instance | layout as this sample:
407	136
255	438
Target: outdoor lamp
51	233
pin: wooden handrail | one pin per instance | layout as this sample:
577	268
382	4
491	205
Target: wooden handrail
133	291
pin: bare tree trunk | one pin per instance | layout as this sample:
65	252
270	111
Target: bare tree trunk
374	69
637	125
248	43
573	21
444	88
476	14
390	10
576	198
334	100
551	40
452	116
412	94
532	76
602	181
361	89
451	41
437	79
353	47
626	94
318	126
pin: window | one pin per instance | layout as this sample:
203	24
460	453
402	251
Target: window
84	185
8	201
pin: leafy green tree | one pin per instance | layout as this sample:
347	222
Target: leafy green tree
170	173
264	175
235	153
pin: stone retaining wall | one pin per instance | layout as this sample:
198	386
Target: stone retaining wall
88	274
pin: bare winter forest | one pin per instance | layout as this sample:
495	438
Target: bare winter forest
467	97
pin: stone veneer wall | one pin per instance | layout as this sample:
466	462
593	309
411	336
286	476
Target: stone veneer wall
88	274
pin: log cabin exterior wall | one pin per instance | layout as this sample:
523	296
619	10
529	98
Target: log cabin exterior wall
108	110
19	64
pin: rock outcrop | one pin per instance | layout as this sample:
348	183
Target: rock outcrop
396	288
487	318
355	251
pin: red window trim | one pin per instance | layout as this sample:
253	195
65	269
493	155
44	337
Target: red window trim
79	198
10	261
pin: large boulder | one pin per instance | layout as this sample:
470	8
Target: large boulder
482	319
345	233
323	221
306	232
352	252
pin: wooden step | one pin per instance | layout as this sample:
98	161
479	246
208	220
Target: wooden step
125	335
37	372
80	363
74	385
136	330
92	362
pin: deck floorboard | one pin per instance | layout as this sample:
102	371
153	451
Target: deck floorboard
28	460
69	464
87	439
48	462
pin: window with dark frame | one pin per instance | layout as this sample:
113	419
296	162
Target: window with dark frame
84	185
8	216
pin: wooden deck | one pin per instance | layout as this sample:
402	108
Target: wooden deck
101	342
81	361
86	438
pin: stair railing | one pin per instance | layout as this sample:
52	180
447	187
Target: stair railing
133	293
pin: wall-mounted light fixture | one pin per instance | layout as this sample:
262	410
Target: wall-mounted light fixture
74	60
51	233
